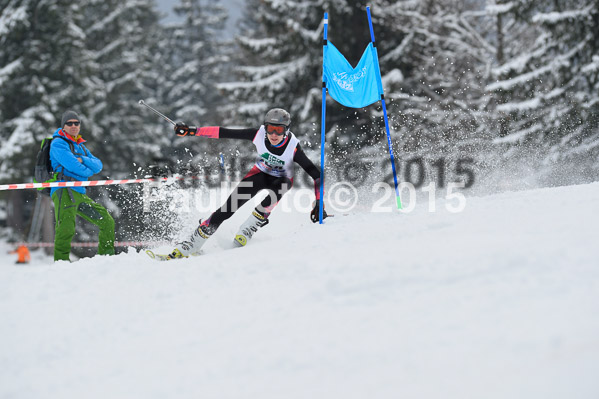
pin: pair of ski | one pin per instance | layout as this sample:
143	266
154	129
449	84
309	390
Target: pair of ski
239	241
159	257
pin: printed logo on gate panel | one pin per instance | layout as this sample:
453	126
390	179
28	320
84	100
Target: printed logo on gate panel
346	82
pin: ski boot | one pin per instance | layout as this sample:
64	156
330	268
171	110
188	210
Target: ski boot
247	230
195	243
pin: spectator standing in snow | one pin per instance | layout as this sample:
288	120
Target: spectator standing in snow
278	150
74	162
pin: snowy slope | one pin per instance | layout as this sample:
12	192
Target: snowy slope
498	301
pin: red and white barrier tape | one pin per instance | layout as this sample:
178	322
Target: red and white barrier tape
95	244
22	186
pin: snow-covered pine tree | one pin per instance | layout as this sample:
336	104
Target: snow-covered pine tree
195	59
45	70
552	86
436	72
122	37
510	33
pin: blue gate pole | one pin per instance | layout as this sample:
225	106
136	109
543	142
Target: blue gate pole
391	157
322	122
380	83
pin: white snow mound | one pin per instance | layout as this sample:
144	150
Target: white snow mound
498	301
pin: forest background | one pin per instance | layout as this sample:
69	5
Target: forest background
499	95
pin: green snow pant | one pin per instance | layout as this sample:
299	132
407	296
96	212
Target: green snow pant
68	204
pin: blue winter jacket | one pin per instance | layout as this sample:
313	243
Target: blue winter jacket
65	161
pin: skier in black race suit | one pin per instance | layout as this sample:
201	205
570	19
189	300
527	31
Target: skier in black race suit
278	150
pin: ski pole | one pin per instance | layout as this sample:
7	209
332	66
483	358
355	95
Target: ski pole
142	102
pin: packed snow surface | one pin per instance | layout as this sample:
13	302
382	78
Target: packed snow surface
498	301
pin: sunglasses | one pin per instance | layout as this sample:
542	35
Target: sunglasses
277	130
72	123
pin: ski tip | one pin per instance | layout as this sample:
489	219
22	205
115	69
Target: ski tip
142	102
151	254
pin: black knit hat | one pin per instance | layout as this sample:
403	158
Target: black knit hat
68	115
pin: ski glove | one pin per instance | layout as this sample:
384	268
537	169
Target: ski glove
314	215
183	130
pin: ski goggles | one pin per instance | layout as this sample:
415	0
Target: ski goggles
277	130
72	123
